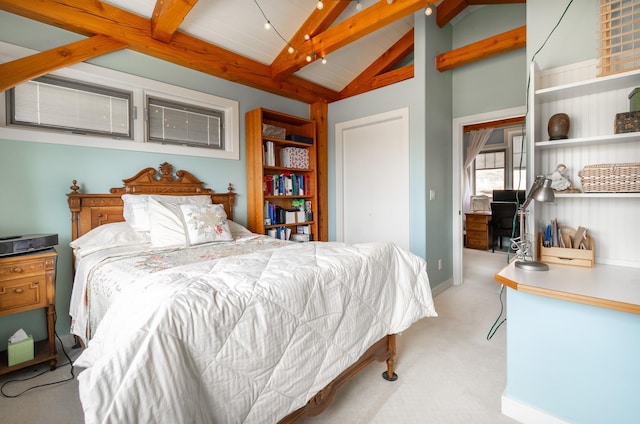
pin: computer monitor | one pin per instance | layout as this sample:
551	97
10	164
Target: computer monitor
509	196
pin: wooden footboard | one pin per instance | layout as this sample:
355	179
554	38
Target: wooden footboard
383	350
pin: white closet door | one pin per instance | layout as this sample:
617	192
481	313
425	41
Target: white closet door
372	193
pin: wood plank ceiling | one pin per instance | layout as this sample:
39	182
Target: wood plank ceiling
110	28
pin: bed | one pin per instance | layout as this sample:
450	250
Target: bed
235	327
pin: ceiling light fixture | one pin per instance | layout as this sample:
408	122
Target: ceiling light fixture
358	5
428	11
267	25
319	5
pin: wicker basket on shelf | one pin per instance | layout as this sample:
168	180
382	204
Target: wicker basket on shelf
611	178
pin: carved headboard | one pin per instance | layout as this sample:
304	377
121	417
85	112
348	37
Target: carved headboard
89	211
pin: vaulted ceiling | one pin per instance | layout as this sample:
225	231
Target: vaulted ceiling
366	46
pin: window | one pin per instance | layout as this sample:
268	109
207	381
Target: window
178	123
502	163
489	172
71	106
104	108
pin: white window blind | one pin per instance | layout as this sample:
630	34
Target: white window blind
178	123
619	36
69	106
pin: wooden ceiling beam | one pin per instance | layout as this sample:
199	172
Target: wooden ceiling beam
167	17
383	80
369	20
394	55
449	9
90	17
321	19
27	68
501	43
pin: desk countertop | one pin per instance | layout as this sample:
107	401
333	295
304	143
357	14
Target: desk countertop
606	286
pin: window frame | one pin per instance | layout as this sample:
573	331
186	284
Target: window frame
82	86
139	86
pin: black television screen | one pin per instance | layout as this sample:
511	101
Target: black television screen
509	196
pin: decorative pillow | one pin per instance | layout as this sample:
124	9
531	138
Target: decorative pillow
136	206
116	234
205	224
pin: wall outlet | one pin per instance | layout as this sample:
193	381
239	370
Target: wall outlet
439	264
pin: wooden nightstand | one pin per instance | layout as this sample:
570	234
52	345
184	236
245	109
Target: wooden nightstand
478	230
28	282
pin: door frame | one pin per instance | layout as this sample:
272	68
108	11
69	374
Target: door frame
401	114
457	181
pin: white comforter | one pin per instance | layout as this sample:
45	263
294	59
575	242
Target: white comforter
248	338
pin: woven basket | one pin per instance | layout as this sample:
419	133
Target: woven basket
611	178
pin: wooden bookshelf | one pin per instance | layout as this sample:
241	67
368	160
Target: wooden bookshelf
259	171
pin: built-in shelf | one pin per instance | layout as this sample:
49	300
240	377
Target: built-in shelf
593	140
590	86
592	195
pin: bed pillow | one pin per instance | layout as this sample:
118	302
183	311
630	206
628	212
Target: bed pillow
165	224
205	224
238	230
136	206
106	236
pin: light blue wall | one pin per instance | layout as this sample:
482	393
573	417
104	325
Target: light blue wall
428	98
37	176
578	363
475	85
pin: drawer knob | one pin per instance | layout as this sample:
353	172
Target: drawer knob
16	269
18	291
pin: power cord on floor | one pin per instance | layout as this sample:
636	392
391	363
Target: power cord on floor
497	323
39	374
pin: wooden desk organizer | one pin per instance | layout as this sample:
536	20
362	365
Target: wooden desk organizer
567	256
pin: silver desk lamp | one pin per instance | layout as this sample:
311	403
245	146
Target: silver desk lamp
542	192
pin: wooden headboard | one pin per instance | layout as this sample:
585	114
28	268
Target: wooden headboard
89	211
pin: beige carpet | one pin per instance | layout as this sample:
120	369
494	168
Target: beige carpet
448	371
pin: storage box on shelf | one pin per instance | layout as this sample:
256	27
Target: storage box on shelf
566	255
281	175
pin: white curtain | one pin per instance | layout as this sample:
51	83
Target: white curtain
477	140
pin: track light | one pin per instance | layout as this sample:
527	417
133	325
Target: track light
267	25
358	5
319	5
291	49
309	58
324	60
428	11
389	1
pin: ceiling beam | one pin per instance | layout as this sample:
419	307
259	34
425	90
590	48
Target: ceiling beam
167	17
27	68
383	80
501	43
90	17
449	9
367	21
321	19
394	55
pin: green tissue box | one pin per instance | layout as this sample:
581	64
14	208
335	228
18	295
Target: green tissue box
21	351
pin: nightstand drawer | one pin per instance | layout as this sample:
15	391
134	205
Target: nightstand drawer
25	293
475	225
18	267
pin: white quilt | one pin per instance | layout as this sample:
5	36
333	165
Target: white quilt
247	338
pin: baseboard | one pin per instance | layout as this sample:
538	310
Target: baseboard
441	287
527	414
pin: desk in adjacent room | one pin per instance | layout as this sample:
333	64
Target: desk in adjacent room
478	230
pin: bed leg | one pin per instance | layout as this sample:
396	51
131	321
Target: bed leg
389	375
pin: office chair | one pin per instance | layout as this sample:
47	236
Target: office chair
502	222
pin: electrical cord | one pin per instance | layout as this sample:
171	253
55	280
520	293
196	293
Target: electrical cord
39	374
497	323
